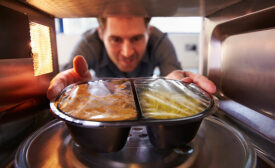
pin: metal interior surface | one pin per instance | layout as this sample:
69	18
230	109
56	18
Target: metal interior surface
21	91
240	59
92	8
22	97
246	55
226	23
83	8
216	145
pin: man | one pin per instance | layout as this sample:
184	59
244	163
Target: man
124	46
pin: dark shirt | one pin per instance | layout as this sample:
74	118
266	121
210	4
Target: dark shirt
159	53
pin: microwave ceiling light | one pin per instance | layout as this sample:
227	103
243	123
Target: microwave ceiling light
41	49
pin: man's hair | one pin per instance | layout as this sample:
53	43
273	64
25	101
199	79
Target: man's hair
102	21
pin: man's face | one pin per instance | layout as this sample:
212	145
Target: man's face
125	39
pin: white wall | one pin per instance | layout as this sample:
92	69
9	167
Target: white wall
65	45
189	59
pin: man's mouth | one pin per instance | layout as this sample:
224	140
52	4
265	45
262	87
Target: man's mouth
128	60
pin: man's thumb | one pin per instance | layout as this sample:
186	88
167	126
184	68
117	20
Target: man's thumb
80	66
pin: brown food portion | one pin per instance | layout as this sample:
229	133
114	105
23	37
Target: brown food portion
117	105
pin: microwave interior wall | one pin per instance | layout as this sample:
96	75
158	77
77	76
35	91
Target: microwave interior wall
21	89
22	92
239	56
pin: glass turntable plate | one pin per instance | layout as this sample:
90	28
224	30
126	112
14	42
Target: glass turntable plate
216	145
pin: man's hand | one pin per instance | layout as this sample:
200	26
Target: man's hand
79	73
189	77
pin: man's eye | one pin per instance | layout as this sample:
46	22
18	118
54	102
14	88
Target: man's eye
136	39
115	40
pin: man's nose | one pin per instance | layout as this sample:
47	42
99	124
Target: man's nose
127	49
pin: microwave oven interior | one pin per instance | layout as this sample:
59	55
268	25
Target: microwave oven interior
237	54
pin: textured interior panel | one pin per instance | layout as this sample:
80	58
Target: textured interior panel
92	8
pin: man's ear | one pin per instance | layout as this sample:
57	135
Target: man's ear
100	33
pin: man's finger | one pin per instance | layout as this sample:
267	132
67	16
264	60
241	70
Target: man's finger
202	81
80	67
187	80
176	75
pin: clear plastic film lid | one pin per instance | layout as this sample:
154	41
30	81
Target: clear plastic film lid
101	100
129	99
170	99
